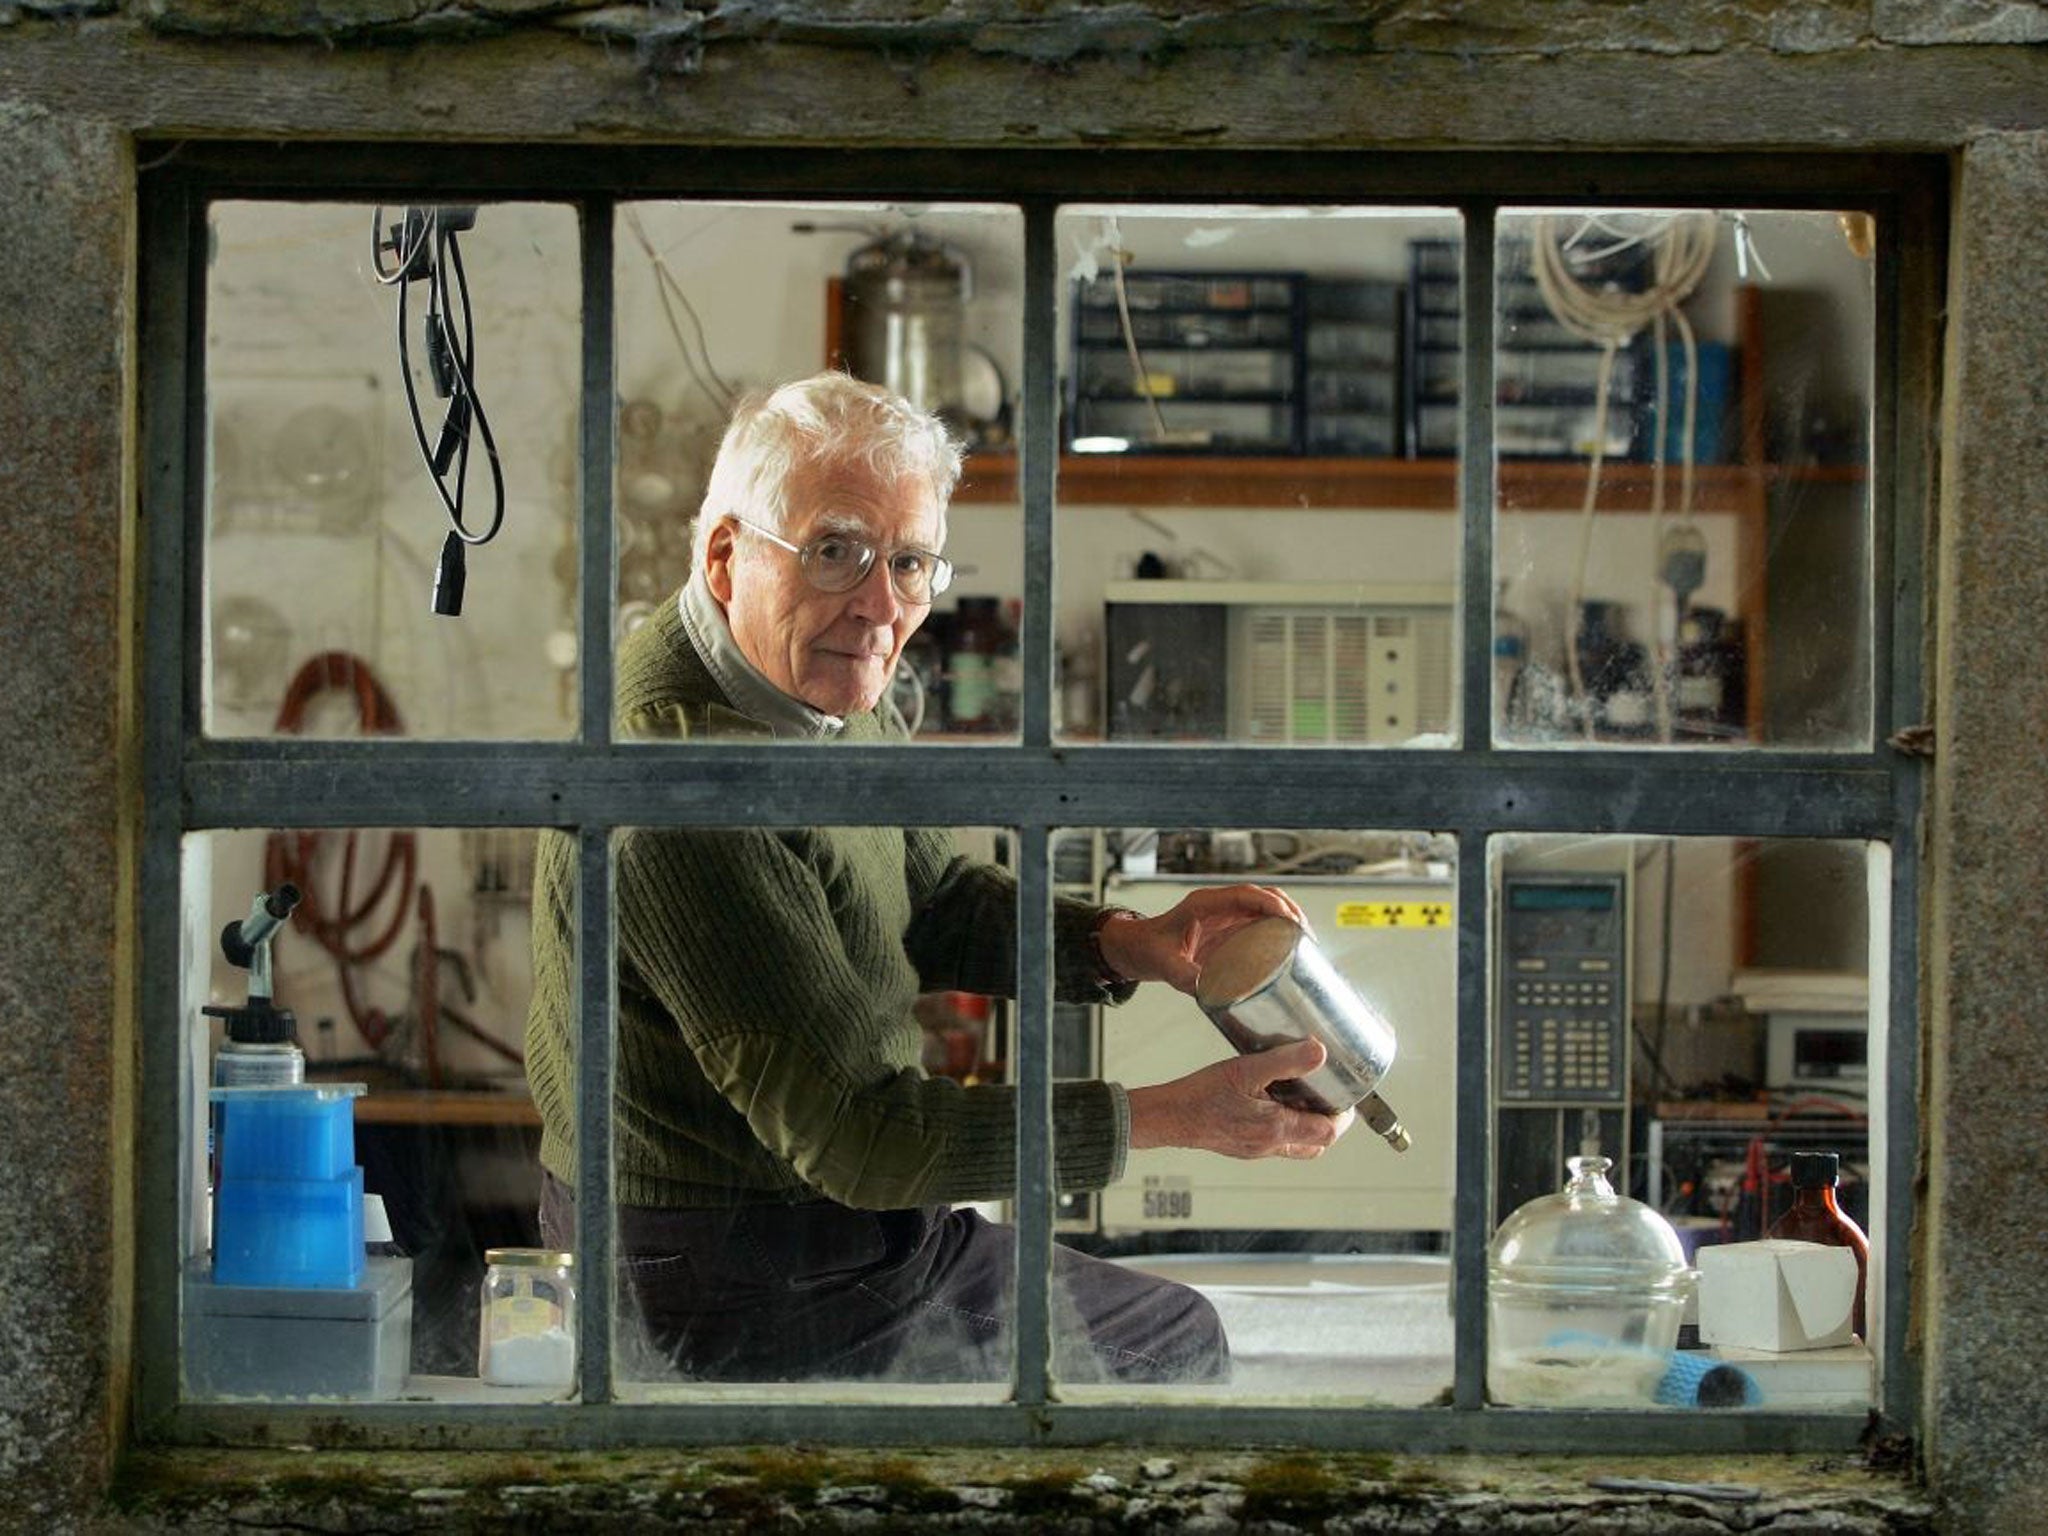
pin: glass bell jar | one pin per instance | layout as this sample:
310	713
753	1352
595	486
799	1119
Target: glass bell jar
1585	1291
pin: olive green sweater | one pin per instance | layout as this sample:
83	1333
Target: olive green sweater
766	1047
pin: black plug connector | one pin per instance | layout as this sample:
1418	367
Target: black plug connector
450	576
411	245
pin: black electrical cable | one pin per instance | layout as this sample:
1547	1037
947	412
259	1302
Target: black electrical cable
425	248
1653	1048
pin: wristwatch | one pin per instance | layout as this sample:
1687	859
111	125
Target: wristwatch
1106	974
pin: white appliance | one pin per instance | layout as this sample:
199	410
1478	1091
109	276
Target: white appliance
1322	663
1817	1028
1396	941
1817	1053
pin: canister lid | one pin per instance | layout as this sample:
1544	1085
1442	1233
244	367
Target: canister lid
1246	961
529	1258
1587	1237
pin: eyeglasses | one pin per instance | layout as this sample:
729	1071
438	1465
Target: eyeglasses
839	561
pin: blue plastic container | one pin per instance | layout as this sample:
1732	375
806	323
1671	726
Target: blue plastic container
289	1232
1710	443
296	1132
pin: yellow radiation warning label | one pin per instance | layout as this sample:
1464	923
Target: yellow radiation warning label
1395	914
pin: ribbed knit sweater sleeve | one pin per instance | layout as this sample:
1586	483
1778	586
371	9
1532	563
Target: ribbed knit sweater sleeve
779	957
963	937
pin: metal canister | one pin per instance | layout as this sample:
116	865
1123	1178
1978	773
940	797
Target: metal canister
1270	984
906	298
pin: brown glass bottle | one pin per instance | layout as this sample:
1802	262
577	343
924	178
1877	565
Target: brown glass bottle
1815	1218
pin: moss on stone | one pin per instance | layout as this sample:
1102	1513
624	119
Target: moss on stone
1045	1492
1299	1490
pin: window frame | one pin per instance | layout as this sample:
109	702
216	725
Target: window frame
593	784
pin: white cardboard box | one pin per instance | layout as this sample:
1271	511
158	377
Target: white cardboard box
1776	1295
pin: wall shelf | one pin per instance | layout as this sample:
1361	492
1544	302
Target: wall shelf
1287	482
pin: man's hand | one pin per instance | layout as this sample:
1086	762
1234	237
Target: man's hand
1223	1108
1172	946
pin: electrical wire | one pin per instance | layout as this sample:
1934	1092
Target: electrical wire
1141	379
721	394
1610	317
425	248
1656	1052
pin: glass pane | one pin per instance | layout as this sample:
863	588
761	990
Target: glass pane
1253	543
1242	1277
358	1130
719	301
815	1132
1684	518
1701	1018
328	572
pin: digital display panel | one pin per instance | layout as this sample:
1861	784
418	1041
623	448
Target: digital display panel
1562	898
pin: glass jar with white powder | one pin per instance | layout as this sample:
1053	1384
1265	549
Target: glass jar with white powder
527	1331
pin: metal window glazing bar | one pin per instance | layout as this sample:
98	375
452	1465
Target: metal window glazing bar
388	170
1476	474
1472	1191
598	428
595	955
1034	1202
595	949
1472	1203
171	512
1909	282
352	783
1040	448
767	1420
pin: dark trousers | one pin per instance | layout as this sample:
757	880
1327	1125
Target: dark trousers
821	1291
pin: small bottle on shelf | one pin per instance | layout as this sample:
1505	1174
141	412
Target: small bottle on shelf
1815	1217
970	664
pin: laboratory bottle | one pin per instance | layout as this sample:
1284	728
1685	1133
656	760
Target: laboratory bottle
971	663
1700	689
1627	707
1006	670
1079	695
1815	1217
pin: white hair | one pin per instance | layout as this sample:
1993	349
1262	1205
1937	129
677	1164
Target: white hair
829	418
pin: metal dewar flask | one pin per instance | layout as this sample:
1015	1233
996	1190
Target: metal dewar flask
906	297
1270	983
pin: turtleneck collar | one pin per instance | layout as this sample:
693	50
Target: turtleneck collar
743	684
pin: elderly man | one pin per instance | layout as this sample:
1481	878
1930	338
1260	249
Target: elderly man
789	1178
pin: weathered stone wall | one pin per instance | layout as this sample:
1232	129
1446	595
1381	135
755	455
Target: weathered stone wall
65	191
78	78
1840	74
1988	1054
1020	1493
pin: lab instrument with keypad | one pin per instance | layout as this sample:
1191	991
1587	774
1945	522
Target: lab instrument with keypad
1562	1021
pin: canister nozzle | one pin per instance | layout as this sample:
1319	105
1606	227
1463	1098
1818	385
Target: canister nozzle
247	943
1379	1114
238	941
